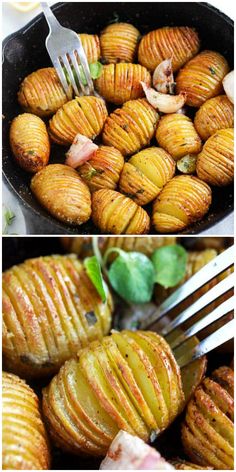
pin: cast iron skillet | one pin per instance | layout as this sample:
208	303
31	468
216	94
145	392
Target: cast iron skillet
24	52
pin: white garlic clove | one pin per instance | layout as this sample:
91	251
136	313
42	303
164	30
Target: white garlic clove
228	84
162	102
163	78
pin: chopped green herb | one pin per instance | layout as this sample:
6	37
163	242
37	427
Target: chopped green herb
170	265
95	69
212	70
31	152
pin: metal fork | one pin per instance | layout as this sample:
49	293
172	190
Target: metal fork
65	49
173	332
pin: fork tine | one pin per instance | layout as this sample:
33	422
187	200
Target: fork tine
61	75
84	88
204	275
214	340
219	312
67	65
85	66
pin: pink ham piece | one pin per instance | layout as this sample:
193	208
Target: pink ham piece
129	452
81	150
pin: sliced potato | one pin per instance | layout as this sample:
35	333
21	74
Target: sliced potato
119	42
187	164
91	45
215	114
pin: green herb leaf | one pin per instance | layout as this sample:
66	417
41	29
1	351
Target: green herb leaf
95	69
93	270
131	276
8	218
170	264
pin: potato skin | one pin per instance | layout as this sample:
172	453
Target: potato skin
215	163
208	429
119	43
215	114
91	45
184	200
179	42
41	92
119	83
177	135
180	464
131	127
201	78
60	190
103	170
101	406
29	142
145	174
84	115
24	439
114	213
47	306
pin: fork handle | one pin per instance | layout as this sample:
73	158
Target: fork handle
50	17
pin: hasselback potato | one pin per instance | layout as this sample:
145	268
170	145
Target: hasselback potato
41	92
201	78
91	45
84	115
119	43
114	213
103	169
208	429
216	113
180	43
29	142
24	441
129	381
183	200
180	464
177	135
144	175
63	193
50	310
119	83
131	127
215	163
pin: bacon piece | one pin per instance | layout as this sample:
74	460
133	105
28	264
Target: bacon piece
81	150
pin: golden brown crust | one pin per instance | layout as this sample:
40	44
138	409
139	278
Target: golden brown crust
145	174
29	142
103	169
215	114
119	43
84	115
215	163
180	43
46	307
183	200
114	213
177	135
119	83
131	127
180	464
24	440
201	78
41	92
91	45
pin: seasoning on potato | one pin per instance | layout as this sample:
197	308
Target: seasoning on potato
215	114
91	45
29	142
63	193
144	175
184	200
24	440
114	213
215	163
187	164
119	43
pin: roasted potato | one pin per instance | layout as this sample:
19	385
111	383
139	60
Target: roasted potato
201	78
183	200
146	173
208	428
129	381
215	163
50	310
84	115
180	464
119	43
41	92
215	114
103	169
177	135
63	193
114	213
119	83
29	142
180	43
131	127
24	440
91	45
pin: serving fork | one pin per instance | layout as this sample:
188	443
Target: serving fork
65	49
174	330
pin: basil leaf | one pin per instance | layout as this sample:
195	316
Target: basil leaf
93	270
95	69
132	276
170	265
